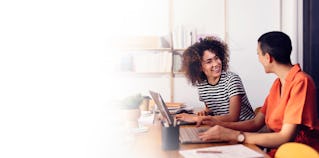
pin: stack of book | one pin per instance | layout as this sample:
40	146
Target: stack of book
174	107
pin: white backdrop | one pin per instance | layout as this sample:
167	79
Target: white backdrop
246	21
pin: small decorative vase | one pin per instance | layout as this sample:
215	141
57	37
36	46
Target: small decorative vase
131	117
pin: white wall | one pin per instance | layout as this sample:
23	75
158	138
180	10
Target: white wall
185	92
207	16
246	21
256	18
141	84
292	25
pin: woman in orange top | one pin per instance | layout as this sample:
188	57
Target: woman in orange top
289	110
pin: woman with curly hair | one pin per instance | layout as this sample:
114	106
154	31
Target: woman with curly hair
205	64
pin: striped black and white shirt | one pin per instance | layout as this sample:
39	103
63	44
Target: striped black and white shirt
217	97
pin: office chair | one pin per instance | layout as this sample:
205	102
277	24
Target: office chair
296	150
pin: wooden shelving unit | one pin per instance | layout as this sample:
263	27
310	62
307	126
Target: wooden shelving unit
146	49
173	72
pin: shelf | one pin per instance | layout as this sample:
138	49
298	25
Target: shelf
143	73
179	49
179	73
145	49
153	49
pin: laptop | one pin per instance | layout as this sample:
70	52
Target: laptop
187	134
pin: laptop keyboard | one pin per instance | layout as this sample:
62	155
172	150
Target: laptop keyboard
190	134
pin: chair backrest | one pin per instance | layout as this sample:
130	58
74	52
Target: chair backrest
296	150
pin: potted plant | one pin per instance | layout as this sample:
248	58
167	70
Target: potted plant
130	107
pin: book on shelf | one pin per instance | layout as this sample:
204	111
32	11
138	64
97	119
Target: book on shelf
152	62
141	42
177	62
183	37
174	105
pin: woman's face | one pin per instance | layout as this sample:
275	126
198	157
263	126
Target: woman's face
262	59
211	65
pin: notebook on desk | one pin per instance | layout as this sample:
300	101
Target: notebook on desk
188	134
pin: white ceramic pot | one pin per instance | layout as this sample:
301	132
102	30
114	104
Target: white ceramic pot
131	117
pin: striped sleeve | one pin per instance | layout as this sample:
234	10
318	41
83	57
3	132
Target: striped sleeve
235	86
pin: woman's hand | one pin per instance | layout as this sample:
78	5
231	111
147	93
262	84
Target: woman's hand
186	117
203	112
207	120
219	133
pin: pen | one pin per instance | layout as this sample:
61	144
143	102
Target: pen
209	151
154	118
174	122
166	124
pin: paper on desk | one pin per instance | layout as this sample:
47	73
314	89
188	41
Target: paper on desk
146	119
228	151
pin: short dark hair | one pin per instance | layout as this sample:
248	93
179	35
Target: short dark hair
277	44
192	58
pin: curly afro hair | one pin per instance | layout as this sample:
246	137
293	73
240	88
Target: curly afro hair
192	58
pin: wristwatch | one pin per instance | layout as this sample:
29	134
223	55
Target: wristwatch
241	137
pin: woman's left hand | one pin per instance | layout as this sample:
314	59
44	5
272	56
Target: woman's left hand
186	117
219	133
206	120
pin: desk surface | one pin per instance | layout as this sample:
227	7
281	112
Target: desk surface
148	144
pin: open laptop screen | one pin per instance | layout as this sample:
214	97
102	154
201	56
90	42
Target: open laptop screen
187	134
162	107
